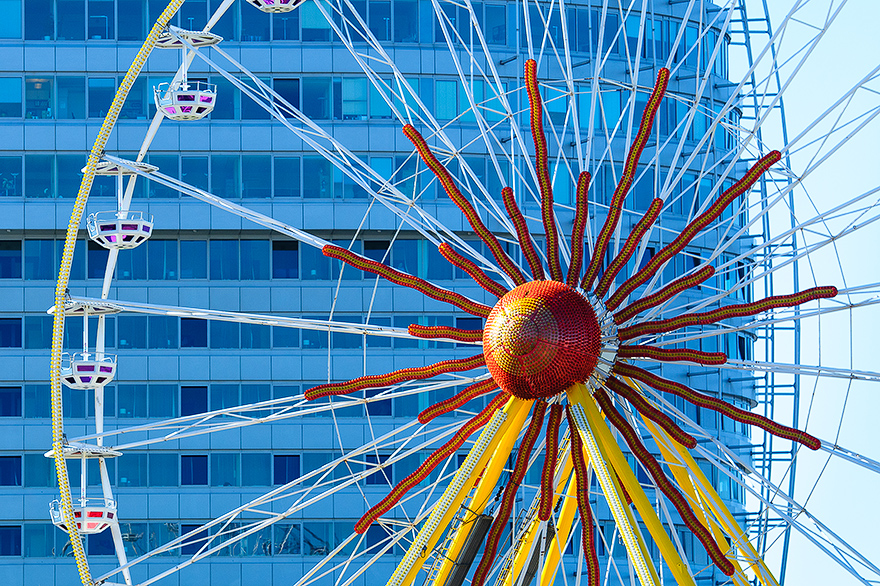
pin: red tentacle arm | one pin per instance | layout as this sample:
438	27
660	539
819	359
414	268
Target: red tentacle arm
645	408
503	513
545	507
729	312
396	377
626	179
577	233
439	455
664	294
522	234
629	247
701	400
691	230
468	394
399	278
672	355
473	270
663	483
536	111
448	332
588	542
463	204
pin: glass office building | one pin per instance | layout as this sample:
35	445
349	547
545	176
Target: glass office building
61	62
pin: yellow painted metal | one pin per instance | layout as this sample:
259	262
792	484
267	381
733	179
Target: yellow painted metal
64	277
590	425
521	558
564	523
702	491
643	505
492	463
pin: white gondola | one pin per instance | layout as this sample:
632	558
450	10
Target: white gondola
185	100
83	371
86	451
120	229
277	5
92	515
73	306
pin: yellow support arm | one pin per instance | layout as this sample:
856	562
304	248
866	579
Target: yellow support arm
721	517
521	558
490	452
563	527
591	426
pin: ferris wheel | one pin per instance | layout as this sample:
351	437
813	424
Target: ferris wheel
653	223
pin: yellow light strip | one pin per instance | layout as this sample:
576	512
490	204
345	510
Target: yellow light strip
496	440
64	277
589	423
721	517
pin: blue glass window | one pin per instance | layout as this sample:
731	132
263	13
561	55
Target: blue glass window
194	14
495	24
132	400
163	470
316	100
37	401
382	476
287	177
256	176
10	470
10	332
132	331
193	333
315	266
39	260
314	26
254	260
97	260
132	17
287	88
251	109
285	337
39	20
194	171
254	24
162	331
132	264
163	400
10	540
226	26
39	540
39	175
224	260
193	400
285	259
193	259
101	90
225	176
254	336
285	27
10	19
287	539
37	332
168	165
312	339
380	20
345	340
10	259
404	321
405	256
224	334
133	470
439	269
193	471
378	408
224	396
161	259
287	468
71	98
102	19
226	104
406	21
11	181
38	102
225	470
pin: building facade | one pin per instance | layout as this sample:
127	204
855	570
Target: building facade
60	65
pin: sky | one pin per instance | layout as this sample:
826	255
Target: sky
845	497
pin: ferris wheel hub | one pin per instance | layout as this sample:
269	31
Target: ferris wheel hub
540	338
